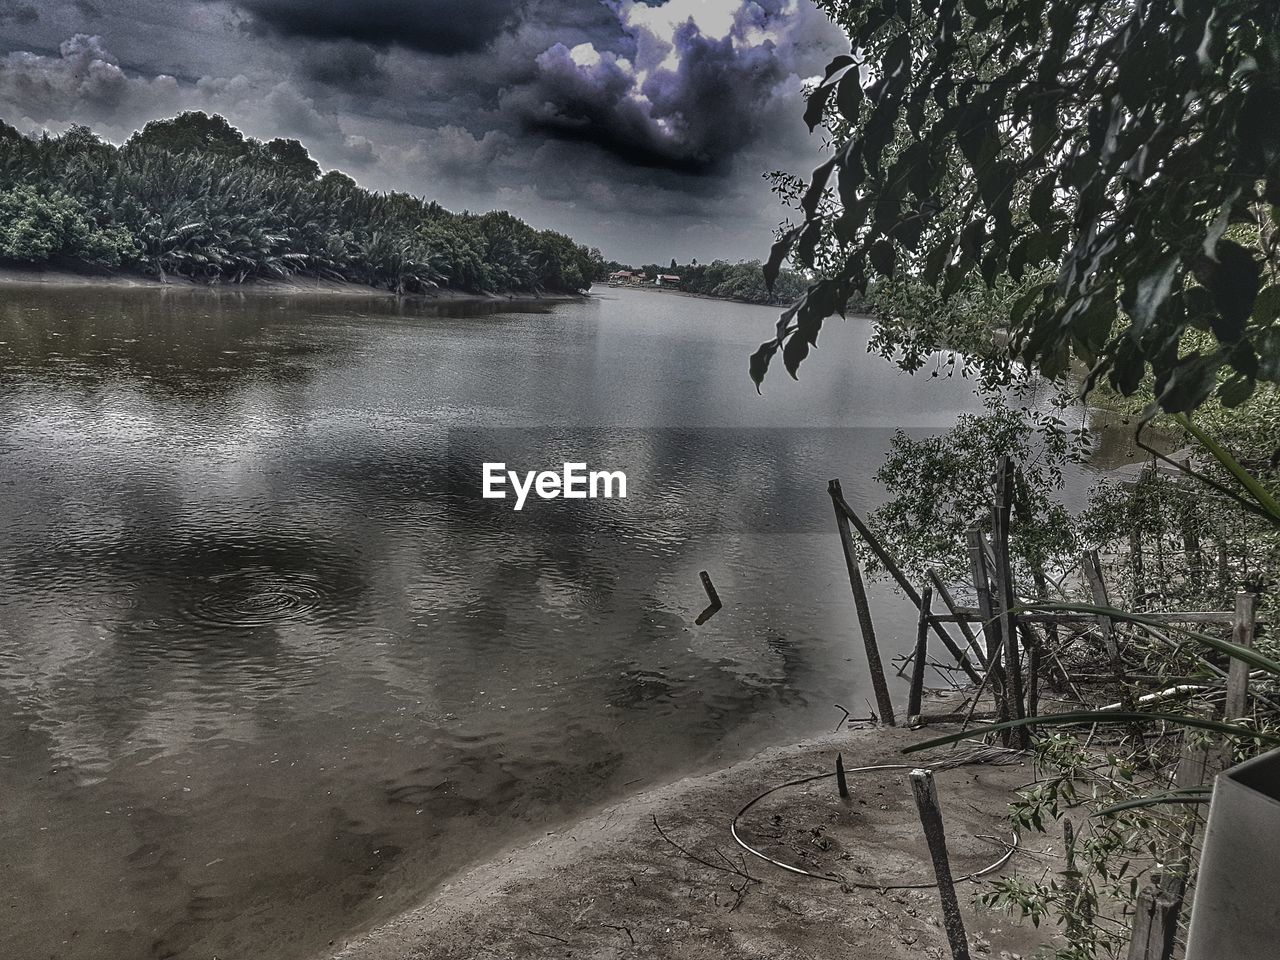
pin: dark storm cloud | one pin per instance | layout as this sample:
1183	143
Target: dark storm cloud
15	11
430	26
692	119
706	101
350	67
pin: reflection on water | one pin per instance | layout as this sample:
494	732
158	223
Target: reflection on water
269	668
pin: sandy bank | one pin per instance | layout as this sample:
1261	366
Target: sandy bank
67	279
611	886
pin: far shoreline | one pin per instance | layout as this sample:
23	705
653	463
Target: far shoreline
55	278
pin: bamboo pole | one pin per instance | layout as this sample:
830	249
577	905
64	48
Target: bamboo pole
874	665
926	795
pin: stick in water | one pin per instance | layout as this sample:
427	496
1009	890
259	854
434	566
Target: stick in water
714	597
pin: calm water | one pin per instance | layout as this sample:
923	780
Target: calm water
269	667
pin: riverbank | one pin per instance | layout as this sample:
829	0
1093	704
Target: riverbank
674	291
658	874
70	279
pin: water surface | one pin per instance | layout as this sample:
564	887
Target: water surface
269	667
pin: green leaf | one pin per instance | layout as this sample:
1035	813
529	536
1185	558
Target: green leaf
1266	306
1041	204
883	257
1236	391
760	362
1233	281
849	96
1188	383
1152	291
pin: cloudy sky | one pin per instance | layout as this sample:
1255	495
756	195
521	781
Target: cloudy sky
641	128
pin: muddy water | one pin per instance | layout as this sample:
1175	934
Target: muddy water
269	666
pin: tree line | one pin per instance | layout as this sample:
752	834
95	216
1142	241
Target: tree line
193	197
724	280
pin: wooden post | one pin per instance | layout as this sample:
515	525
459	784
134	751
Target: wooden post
982	587
926	795
1197	764
1035	656
990	627
842	785
1003	596
1242	629
921	656
1155	921
941	589
891	565
883	702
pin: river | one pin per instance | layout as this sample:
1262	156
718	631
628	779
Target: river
270	667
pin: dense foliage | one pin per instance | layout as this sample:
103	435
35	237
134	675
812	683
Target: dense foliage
1117	162
1040	191
193	197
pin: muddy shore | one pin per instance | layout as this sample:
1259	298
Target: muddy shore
614	885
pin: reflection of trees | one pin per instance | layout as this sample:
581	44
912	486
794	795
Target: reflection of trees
183	343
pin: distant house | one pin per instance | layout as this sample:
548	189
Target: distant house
667	280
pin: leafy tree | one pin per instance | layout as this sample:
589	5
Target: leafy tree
37	228
1117	161
289	156
193	131
940	486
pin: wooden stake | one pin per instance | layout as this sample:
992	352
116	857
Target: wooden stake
1155	921
941	589
990	627
886	559
874	665
926	795
842	785
1242	630
1034	658
1003	595
921	655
